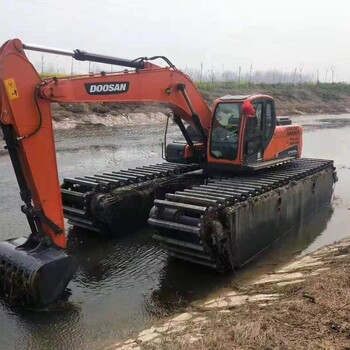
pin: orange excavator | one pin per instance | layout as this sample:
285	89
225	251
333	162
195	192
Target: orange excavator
37	269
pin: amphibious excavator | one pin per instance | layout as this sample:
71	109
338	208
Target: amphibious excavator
225	193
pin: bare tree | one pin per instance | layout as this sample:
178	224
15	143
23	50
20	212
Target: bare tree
285	76
42	63
295	72
250	73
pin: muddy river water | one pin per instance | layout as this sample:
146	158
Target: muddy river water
125	283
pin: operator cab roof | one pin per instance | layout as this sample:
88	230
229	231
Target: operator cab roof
234	97
241	98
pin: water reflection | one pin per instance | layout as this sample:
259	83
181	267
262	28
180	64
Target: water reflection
39	328
294	243
114	264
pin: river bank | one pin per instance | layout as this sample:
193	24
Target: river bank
304	304
290	100
299	99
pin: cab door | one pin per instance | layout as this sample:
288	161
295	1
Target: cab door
268	124
253	134
259	131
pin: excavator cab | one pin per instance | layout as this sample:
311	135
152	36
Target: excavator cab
239	142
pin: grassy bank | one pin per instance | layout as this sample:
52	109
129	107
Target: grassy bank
304	305
290	100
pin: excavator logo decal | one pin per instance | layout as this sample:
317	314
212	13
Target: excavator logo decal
11	89
107	88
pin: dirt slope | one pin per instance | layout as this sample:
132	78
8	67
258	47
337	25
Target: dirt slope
290	100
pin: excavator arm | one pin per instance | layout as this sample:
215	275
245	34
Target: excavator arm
26	123
27	126
35	268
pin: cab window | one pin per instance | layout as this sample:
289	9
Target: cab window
225	131
258	113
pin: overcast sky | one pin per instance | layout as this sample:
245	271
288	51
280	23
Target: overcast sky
268	34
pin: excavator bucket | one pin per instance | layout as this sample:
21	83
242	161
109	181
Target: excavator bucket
33	277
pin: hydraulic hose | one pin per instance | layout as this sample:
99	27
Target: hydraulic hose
36	94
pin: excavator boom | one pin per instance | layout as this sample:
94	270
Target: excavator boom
154	84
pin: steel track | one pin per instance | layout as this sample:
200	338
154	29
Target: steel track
181	217
79	192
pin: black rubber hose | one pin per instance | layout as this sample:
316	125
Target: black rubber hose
36	94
